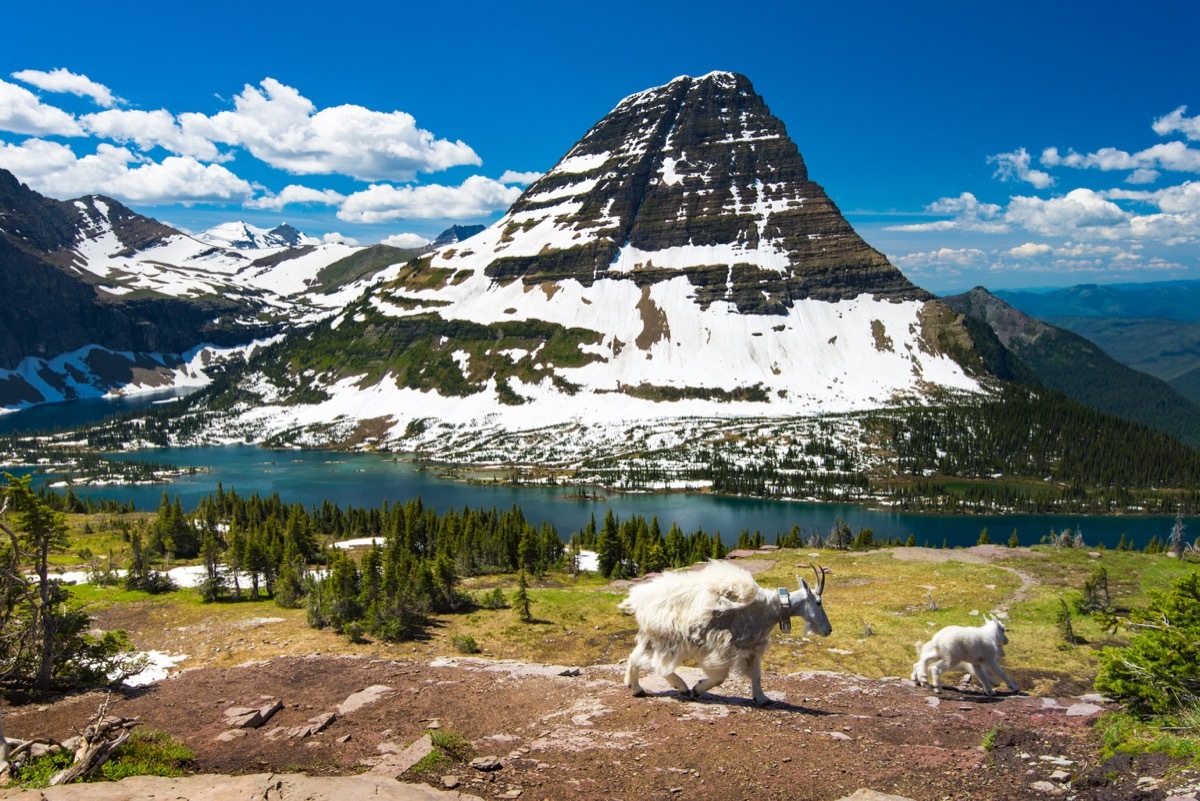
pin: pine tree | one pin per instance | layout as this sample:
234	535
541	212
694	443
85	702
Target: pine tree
521	600
984	539
1014	541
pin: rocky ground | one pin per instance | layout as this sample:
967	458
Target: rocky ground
560	733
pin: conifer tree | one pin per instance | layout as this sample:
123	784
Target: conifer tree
1013	540
521	600
984	539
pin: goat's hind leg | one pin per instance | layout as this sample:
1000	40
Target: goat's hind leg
712	678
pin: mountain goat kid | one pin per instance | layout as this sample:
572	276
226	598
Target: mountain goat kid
717	618
975	649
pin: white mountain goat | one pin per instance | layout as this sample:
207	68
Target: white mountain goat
975	649
717	618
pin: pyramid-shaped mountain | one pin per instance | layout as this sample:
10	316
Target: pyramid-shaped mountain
697	178
677	261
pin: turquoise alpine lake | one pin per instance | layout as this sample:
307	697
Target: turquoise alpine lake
368	480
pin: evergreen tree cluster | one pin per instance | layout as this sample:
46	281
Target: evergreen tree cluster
1158	672
412	572
634	547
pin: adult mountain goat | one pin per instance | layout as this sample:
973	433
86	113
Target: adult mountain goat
975	649
717	618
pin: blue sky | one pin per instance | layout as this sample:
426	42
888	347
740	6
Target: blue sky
1010	145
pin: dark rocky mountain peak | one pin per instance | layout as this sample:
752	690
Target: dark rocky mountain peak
287	235
695	177
455	234
53	228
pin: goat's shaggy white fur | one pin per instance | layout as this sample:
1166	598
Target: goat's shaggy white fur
975	649
717	618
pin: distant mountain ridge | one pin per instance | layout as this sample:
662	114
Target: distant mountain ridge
102	299
1074	366
1152	327
1168	300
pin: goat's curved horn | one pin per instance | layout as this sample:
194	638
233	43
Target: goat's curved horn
820	571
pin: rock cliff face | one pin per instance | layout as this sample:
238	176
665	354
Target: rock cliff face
695	177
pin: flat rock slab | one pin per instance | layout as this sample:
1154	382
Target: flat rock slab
250	787
394	765
363	697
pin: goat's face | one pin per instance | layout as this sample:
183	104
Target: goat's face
997	629
806	603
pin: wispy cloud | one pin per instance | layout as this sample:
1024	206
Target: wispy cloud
1178	122
513	177
1016	166
968	214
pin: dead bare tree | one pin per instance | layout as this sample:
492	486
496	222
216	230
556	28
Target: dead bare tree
98	740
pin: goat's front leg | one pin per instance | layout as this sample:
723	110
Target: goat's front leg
994	666
935	675
634	668
756	690
980	672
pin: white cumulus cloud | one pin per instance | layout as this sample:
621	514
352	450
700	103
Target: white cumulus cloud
294	194
148	129
53	169
21	112
1016	165
406	240
1079	211
283	128
334	238
475	197
63	80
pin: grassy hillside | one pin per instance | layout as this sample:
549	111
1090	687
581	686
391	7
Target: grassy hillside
880	602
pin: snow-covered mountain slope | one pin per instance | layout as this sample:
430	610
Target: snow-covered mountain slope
677	263
243	236
89	276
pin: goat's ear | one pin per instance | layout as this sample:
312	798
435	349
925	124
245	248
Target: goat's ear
804	584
